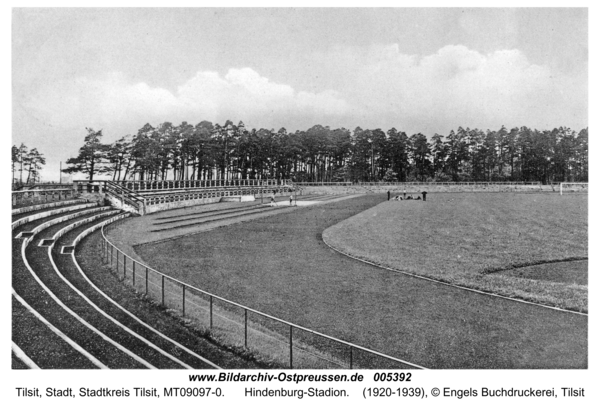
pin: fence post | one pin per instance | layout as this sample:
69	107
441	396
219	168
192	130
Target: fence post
111	256
133	265
117	269
183	301
124	266
146	280
245	328
211	312
291	352
163	290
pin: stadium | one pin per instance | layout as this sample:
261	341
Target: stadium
314	277
375	189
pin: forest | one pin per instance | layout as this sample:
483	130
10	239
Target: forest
321	154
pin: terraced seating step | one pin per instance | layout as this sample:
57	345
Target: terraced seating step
22	219
34	208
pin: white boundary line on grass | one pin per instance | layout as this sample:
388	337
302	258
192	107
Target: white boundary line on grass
449	284
22	356
110	318
77	316
69	216
58	332
135	317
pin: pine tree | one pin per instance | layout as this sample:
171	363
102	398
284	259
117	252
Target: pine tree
92	156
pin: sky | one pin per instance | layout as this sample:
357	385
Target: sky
427	70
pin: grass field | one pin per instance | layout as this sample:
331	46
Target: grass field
280	265
532	247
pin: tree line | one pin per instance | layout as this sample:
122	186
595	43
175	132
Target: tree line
321	154
25	160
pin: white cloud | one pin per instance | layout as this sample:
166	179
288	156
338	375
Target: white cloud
457	86
375	86
242	94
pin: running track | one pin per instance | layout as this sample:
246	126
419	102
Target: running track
280	265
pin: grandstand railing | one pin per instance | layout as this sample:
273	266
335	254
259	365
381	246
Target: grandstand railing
192	184
89	186
141	195
185	195
125	196
41	195
298	346
55	185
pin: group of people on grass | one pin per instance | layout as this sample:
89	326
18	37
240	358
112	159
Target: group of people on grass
273	199
407	198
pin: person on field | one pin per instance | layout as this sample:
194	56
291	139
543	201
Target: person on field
418	198
291	198
273	198
404	193
424	195
409	197
389	195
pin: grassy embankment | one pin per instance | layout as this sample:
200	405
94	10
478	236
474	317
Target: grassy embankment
532	247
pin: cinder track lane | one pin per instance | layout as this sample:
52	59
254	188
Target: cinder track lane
280	266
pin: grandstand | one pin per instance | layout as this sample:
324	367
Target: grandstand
144	197
84	327
73	323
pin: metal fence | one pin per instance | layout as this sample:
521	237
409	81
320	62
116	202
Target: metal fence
284	343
